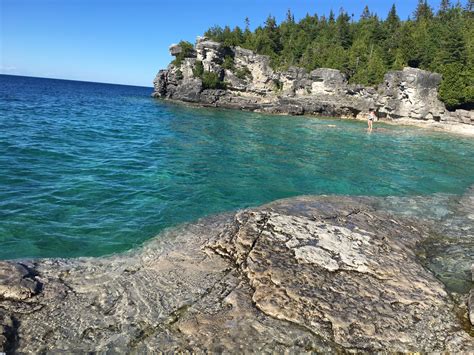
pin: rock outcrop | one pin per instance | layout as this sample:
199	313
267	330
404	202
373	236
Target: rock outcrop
322	274
251	84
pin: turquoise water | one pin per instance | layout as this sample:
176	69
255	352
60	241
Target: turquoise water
90	169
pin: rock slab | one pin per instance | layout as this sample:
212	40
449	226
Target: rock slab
323	274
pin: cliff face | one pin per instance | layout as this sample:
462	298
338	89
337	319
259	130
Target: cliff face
251	84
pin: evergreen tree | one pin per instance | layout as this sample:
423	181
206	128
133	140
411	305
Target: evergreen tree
453	87
365	14
331	17
444	6
393	21
343	29
423	11
364	50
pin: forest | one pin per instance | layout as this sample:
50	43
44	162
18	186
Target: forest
439	40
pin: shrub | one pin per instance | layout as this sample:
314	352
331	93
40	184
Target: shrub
187	51
243	73
228	62
179	75
198	69
211	80
278	84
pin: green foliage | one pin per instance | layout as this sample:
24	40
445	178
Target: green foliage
187	49
457	87
364	50
278	85
198	69
211	80
243	73
179	74
228	62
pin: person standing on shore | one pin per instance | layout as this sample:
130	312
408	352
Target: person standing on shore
372	117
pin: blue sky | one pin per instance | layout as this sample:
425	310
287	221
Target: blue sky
126	41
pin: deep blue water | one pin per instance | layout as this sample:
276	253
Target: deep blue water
91	169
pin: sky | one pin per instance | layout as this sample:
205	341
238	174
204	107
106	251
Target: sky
126	41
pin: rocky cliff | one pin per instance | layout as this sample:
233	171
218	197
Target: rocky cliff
251	84
309	274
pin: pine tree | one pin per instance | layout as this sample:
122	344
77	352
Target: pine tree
393	21
444	6
343	29
365	14
453	86
423	11
365	49
331	17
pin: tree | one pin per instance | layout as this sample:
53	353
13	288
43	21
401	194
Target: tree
343	29
423	11
331	17
454	86
364	50
393	21
444	6
365	14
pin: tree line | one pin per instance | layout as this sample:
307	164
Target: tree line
441	41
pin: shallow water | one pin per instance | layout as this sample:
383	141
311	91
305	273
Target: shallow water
91	169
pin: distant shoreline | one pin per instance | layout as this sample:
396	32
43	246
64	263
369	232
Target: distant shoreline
74	80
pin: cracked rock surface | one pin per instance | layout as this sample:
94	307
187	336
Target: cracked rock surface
323	274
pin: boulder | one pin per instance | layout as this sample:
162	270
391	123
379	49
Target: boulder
175	49
411	93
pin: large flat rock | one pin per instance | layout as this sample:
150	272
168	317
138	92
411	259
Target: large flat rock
306	274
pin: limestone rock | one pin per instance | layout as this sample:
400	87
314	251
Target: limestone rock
411	93
319	274
17	283
408	93
175	49
471	306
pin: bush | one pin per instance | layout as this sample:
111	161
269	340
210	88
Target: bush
211	80
198	69
187	51
179	75
243	73
278	84
228	62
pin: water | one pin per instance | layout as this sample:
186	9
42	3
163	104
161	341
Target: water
90	169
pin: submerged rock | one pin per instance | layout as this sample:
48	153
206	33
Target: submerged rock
323	274
251	84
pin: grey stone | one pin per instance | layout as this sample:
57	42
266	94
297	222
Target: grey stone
17	282
175	49
408	93
319	274
471	306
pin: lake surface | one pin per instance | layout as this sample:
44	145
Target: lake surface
89	169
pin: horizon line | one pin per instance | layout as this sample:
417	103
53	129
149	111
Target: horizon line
81	81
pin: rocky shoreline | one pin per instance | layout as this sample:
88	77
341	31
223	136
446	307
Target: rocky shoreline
323	274
249	83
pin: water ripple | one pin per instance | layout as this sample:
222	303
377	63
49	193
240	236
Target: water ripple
91	169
